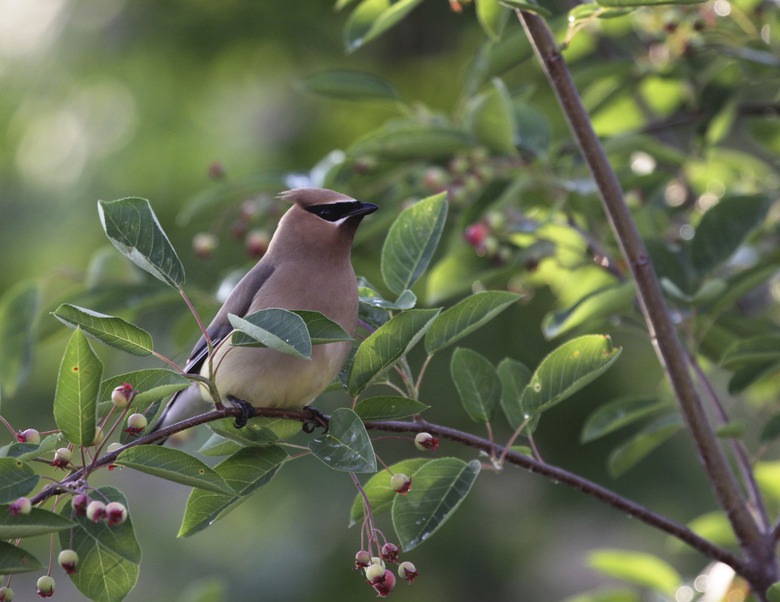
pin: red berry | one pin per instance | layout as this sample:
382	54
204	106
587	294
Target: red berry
476	234
384	585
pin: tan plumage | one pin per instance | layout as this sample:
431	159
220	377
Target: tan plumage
307	266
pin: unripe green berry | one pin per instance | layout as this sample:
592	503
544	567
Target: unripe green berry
374	572
112	447
123	395
63	454
117	513
96	511
426	441
20	506
407	571
68	560
31	436
400	483
98	438
45	586
6	594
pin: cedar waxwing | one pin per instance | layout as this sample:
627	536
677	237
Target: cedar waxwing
307	266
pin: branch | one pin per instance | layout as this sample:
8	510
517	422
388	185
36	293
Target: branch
660	326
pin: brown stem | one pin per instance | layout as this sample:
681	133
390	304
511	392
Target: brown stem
758	546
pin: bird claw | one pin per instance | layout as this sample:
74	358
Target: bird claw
247	411
315	419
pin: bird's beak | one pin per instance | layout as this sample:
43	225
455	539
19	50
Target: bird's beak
363	209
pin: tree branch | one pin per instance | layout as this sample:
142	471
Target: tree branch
757	546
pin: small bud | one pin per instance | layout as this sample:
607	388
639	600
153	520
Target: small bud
6	594
96	511
135	424
45	587
204	244
20	506
98	438
362	559
390	552
400	483
406	570
117	513
384	585
62	457
425	441
29	436
123	395
374	572
80	503
257	243
68	560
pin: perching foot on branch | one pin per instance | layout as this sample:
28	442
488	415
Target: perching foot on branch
315	419
247	411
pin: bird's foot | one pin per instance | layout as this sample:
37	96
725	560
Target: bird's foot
315	418
247	411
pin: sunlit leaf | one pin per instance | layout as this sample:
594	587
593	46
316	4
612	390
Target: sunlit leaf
386	345
712	526
636	568
530	7
346	446
378	490
514	378
411	242
465	317
640	445
173	465
724	227
245	471
14	559
477	383
624	3
321	328
388	408
412	141
438	488
617	414
78	387
276	328
491	17
108	329
566	370
593	306
132	227
108	555
37	522
18	308
151	385
350	85
372	18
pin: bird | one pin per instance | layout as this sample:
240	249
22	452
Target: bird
307	266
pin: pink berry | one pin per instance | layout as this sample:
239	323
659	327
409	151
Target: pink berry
20	506
116	513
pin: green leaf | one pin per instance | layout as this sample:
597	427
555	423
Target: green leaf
771	430
216	445
567	370
491	17
377	489
477	382
438	488
346	446
713	526
108	556
593	306
454	275
16	479
624	3
582	12
388	408
15	560
491	119
132	227
350	85
173	465
37	522
18	308
734	429
245	471
259	431
412	141
27	451
640	445
151	384
369	297
724	227
637	568
722	123
530	7
411	241
617	414
108	329
276	328
465	317
78	387
764	348
386	345
514	378
372	18
321	328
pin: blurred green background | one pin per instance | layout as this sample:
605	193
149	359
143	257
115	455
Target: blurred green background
103	99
